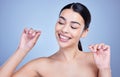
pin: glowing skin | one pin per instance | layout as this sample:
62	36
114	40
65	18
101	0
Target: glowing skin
68	61
69	28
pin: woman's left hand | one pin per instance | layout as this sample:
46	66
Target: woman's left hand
101	54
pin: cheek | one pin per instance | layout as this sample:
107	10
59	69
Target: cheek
57	27
77	34
56	30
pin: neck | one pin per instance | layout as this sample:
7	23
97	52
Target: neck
68	54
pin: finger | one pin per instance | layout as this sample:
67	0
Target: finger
30	31
91	47
107	49
94	52
95	47
101	46
38	31
34	33
37	35
25	30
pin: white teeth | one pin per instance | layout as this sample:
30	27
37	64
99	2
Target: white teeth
63	37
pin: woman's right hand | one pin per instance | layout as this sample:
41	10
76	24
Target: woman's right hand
28	39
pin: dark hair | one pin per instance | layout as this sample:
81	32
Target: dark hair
83	11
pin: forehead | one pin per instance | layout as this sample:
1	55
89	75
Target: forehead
70	15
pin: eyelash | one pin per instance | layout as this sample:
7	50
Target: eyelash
60	23
73	27
63	24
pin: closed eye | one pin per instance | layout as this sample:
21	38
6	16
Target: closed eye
61	23
73	27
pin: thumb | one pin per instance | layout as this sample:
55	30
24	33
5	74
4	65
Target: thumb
92	48
37	35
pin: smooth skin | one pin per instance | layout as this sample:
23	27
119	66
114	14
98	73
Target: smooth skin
68	61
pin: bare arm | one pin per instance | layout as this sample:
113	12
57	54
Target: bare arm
101	54
106	72
28	40
9	67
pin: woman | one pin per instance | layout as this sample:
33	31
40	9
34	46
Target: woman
69	60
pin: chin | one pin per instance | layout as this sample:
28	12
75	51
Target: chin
64	40
65	44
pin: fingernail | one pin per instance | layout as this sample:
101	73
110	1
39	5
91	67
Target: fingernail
33	34
94	50
99	47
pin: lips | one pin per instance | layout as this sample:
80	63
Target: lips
64	38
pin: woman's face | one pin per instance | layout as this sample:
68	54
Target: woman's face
69	28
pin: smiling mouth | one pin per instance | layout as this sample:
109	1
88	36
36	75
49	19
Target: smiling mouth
64	38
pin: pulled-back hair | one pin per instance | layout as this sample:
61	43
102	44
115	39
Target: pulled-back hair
83	11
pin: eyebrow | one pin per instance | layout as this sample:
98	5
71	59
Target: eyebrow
62	18
71	21
75	22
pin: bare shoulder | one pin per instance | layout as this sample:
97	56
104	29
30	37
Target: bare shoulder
89	54
38	63
33	67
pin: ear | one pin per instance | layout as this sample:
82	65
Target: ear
84	33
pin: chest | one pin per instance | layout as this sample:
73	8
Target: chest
71	70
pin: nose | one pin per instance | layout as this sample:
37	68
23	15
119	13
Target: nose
65	29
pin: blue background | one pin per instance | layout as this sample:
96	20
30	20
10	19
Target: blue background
42	15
